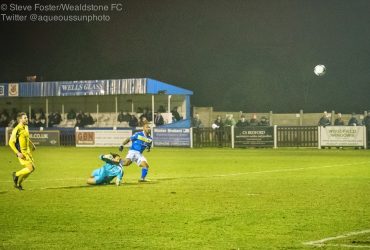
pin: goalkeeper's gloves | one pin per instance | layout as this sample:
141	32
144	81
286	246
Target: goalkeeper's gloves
120	148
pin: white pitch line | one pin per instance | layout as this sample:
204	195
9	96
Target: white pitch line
320	243
212	176
291	169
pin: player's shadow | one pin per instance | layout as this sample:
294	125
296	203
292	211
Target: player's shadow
102	186
71	187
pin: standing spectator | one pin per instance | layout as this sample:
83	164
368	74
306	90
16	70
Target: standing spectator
264	121
242	123
339	121
253	121
196	122
324	120
158	119
229	121
353	121
366	120
218	125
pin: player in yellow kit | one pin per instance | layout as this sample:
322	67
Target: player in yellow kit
21	144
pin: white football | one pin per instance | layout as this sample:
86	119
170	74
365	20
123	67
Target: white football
319	70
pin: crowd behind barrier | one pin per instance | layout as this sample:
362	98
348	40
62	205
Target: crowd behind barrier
217	134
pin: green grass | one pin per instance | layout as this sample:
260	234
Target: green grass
198	199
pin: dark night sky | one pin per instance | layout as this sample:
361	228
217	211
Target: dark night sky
254	56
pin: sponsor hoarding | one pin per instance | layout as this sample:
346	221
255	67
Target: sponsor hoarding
254	137
101	138
172	137
352	136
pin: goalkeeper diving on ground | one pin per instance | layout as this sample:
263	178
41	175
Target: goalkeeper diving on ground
113	168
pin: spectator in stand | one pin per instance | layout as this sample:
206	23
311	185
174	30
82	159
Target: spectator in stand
40	120
264	121
175	115
40	115
146	114
71	115
54	119
253	121
339	121
32	123
324	120
123	117
79	123
242	123
133	121
4	119
80	115
88	119
161	109
353	121
158	119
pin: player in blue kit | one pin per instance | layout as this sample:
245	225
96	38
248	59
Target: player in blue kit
112	168
140	142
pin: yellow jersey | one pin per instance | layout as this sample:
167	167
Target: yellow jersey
20	139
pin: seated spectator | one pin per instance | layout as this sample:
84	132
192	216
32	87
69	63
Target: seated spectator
79	123
161	109
264	121
175	114
31	123
133	121
123	117
88	119
324	120
253	121
40	123
242	123
158	119
71	115
146	114
80	115
54	119
40	115
339	121
353	121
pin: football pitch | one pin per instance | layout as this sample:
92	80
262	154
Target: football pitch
197	199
